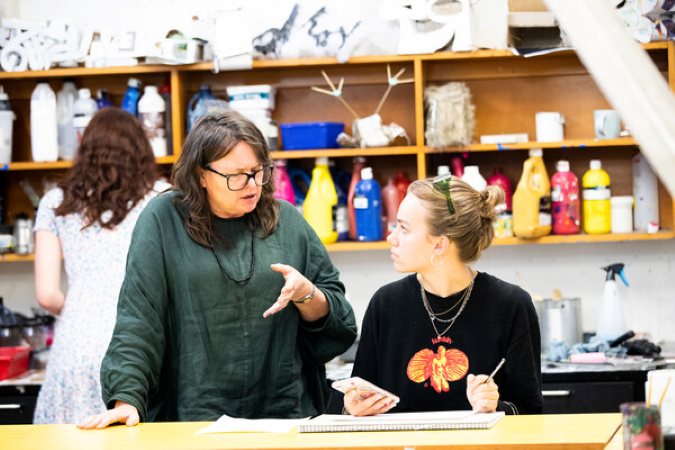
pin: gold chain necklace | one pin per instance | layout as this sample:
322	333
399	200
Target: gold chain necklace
433	316
461	299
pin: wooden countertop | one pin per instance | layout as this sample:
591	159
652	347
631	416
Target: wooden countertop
550	432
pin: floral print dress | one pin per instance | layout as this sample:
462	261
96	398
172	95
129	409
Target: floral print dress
95	260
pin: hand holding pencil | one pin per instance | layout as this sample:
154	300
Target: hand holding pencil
482	392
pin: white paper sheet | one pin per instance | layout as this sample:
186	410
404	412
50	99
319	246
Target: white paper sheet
226	424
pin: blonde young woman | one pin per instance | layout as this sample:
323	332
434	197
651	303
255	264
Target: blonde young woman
432	337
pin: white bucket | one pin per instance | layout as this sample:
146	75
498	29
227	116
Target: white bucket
6	124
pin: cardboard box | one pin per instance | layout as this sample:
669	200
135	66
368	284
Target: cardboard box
531	25
526	5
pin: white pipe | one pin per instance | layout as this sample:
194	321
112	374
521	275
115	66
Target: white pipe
626	76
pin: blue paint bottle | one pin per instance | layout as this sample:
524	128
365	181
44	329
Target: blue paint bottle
368	207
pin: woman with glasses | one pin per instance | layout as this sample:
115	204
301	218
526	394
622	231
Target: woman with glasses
230	304
87	221
436	337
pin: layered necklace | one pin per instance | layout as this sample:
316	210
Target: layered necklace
250	272
434	317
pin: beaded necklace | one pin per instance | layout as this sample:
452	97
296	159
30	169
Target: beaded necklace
250	272
433	317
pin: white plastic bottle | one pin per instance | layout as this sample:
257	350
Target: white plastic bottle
473	177
84	109
7	118
65	102
612	321
646	193
43	124
151	109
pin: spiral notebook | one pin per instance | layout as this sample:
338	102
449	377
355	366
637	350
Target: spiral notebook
441	420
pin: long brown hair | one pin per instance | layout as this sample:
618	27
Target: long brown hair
212	138
114	169
470	227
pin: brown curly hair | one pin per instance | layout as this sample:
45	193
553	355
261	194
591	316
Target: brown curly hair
212	138
470	227
114	169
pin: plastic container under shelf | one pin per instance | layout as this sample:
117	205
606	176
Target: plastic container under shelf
310	135
259	96
13	361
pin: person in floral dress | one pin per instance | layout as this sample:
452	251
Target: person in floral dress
88	219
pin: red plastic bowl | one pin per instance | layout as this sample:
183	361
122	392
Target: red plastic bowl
13	361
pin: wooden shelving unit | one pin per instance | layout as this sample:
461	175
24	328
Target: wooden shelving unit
507	91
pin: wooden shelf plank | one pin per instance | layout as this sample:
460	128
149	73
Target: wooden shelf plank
569	143
550	239
29	165
348	246
588	238
59	72
171	159
346	152
11	257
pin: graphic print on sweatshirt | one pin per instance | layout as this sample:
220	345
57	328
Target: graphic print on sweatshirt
441	367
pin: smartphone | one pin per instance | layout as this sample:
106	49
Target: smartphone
362	385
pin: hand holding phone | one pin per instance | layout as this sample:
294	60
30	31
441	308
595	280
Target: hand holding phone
362	387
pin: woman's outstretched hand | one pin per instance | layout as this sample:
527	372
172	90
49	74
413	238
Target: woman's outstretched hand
296	286
122	413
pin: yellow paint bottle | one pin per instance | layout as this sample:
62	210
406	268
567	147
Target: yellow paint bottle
320	205
596	195
532	199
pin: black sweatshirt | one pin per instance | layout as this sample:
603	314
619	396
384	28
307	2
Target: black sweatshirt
400	352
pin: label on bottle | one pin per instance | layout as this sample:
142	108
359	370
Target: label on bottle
79	124
503	225
5	137
597	193
360	201
342	219
153	124
555	194
333	218
544	211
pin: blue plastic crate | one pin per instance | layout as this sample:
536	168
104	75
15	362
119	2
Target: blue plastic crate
310	135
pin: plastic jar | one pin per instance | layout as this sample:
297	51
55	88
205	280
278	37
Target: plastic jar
622	214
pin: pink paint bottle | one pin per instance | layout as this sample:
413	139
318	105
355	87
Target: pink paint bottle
564	200
499	179
282	182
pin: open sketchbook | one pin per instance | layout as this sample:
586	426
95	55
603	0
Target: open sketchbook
441	420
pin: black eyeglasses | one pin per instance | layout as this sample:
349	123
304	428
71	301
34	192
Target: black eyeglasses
442	182
238	181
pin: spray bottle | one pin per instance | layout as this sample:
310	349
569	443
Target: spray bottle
612	323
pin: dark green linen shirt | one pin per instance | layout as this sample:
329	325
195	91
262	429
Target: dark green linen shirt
190	344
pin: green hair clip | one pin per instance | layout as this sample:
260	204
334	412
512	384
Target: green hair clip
442	182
